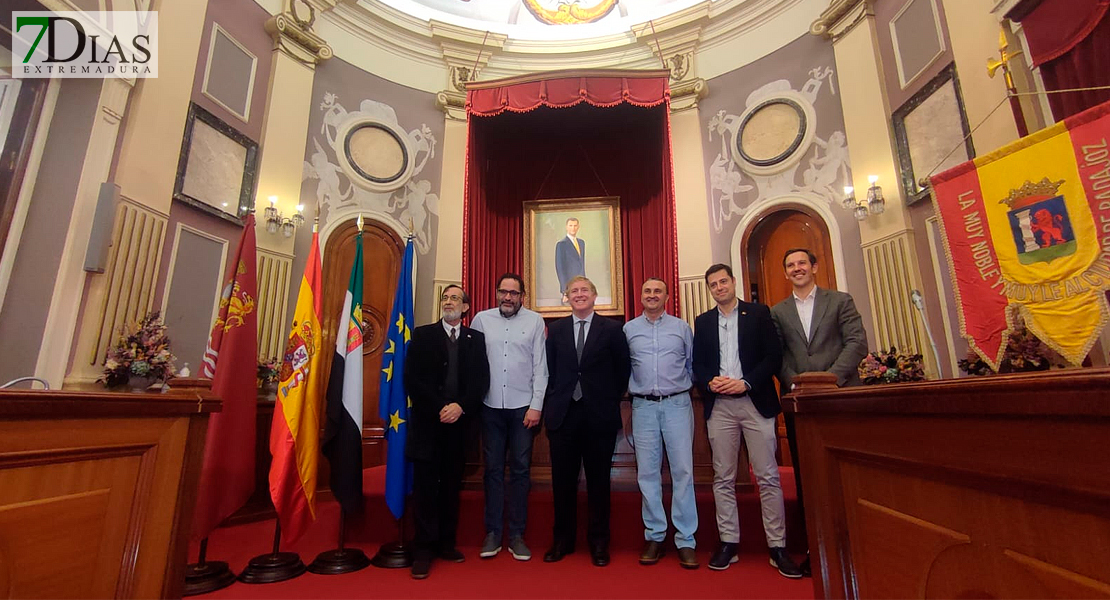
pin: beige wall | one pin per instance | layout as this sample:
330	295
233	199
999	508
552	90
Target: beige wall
974	32
452	186
694	252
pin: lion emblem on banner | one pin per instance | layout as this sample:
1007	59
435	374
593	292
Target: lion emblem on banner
1039	222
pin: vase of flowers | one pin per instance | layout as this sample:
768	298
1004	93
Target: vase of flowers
891	367
268	375
141	356
1024	352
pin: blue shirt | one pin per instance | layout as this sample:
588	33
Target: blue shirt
517	358
662	354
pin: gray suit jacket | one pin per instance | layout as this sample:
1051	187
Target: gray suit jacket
837	341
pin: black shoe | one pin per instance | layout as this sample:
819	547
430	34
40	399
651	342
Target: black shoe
599	555
724	556
452	555
782	561
687	558
557	552
653	551
806	572
420	568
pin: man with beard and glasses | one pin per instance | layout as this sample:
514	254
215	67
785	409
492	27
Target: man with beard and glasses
518	380
446	377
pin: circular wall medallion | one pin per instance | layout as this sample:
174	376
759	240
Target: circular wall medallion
375	154
772	132
561	12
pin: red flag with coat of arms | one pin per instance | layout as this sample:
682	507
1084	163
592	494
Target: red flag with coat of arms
231	361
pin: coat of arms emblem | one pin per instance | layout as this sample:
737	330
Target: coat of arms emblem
1039	222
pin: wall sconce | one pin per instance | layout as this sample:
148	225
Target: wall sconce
875	204
275	220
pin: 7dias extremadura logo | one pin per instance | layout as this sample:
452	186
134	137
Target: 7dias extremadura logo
88	45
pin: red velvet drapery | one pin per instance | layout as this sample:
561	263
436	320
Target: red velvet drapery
1068	40
570	137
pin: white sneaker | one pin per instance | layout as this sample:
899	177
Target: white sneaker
518	549
491	546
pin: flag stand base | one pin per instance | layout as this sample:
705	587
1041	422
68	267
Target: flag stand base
273	567
201	578
339	561
393	555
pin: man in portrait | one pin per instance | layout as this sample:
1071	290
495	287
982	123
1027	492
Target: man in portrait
570	257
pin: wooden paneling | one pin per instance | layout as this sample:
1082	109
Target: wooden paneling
97	491
382	252
986	487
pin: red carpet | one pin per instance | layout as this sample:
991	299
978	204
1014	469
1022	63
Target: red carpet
503	577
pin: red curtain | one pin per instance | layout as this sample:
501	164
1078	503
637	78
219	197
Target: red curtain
570	138
1069	41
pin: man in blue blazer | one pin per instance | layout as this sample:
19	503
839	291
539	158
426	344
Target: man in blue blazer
736	355
570	257
588	368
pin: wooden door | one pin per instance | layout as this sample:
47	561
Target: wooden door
771	237
382	252
764	248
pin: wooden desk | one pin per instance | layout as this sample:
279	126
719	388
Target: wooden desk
971	488
97	491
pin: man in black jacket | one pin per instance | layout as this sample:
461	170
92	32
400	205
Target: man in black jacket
446	377
588	369
736	355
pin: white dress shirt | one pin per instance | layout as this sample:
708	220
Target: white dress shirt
517	353
805	309
449	328
728	345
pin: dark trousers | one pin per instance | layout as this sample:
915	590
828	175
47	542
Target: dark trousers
576	445
792	440
435	498
503	432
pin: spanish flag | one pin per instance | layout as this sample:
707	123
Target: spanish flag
1027	232
295	432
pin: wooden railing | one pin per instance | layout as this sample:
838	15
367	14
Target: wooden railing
985	487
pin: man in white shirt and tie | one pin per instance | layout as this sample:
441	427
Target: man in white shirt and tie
515	346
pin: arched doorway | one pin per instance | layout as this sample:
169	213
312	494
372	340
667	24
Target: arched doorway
772	235
382	252
763	247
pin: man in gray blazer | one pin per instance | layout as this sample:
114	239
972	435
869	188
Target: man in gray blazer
820	331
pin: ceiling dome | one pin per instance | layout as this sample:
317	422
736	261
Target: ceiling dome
543	19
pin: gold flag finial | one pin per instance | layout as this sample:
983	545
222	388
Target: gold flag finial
360	222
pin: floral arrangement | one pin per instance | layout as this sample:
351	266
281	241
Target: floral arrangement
891	367
268	371
1024	352
143	350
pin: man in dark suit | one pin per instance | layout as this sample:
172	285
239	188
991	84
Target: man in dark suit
446	377
588	367
821	330
736	355
570	257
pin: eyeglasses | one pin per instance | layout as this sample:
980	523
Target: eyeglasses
512	293
452	298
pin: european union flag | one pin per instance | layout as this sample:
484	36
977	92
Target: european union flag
394	402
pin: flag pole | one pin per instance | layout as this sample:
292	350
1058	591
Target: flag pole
342	559
275	566
202	576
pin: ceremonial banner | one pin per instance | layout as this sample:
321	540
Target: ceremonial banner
231	362
295	430
343	431
1027	231
393	403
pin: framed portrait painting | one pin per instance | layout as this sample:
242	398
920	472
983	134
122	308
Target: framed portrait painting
568	237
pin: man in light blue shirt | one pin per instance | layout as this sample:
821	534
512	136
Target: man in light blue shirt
515	345
661	347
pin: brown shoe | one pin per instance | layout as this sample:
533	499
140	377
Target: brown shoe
653	551
687	558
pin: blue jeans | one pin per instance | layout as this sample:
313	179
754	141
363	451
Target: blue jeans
503	432
657	424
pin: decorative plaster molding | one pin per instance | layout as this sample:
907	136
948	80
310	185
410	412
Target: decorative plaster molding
686	95
452	103
841	17
292	34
